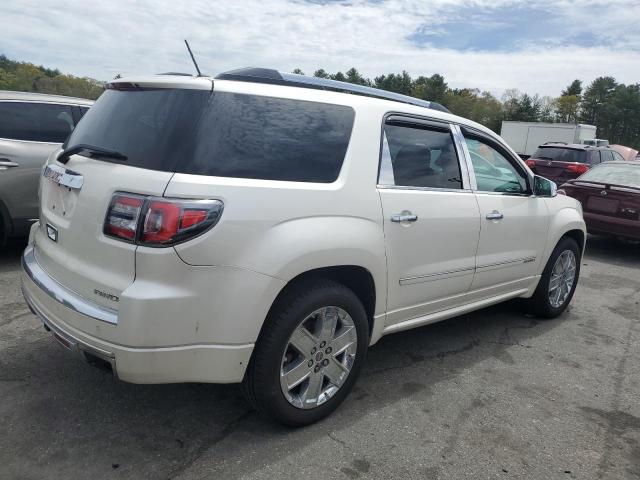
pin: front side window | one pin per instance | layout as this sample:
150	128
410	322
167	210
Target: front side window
493	172
35	122
413	156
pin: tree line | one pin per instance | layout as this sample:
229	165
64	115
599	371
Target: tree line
27	77
613	107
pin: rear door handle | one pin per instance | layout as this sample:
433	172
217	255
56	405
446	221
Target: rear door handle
405	216
495	215
6	163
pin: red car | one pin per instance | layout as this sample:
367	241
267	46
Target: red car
560	162
610	197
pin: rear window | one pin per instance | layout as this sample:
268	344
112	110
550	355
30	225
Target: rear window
220	134
560	154
35	122
616	173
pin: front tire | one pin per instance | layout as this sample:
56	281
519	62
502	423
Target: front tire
558	281
309	354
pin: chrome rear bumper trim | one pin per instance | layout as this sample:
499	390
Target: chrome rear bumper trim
69	341
63	295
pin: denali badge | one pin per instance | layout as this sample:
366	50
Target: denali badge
106	295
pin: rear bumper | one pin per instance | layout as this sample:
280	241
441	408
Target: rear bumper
621	227
58	308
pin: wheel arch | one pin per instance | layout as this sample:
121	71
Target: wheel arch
567	222
355	277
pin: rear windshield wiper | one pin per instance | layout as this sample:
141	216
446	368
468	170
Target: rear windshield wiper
83	147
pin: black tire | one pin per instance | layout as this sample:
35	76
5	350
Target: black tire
539	303
261	384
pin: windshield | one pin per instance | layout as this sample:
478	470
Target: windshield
218	134
560	154
616	173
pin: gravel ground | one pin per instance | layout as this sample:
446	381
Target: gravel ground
493	394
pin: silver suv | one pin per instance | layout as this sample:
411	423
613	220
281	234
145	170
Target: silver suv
32	125
267	228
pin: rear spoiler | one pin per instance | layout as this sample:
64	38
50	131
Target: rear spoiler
604	186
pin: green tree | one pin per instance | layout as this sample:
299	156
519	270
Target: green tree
596	100
395	82
574	89
320	73
567	108
432	88
297	71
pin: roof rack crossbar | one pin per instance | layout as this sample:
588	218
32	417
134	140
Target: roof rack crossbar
266	75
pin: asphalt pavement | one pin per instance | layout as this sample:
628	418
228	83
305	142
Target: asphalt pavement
492	394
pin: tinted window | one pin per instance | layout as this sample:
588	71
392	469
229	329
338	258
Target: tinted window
493	171
593	157
220	134
606	155
560	154
39	122
419	157
615	173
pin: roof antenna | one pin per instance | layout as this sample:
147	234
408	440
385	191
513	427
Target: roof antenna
193	58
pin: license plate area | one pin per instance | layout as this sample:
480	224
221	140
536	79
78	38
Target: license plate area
604	205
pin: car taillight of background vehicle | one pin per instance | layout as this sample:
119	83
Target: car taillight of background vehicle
159	222
578	168
530	163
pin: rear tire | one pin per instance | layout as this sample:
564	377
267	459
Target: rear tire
297	318
558	281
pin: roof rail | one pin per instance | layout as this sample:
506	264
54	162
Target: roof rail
267	75
557	143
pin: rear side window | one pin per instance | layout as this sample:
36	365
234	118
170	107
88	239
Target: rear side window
35	122
419	157
221	134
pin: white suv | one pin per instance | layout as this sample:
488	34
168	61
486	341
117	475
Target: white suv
267	228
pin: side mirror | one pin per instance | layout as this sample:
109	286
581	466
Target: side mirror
543	187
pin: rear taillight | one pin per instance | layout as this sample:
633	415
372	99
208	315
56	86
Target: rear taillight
530	163
578	168
159	222
123	216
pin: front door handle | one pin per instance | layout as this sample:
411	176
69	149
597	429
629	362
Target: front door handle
495	215
6	163
405	216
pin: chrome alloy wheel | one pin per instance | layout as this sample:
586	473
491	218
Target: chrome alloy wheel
562	277
318	357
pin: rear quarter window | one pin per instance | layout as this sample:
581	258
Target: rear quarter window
272	139
36	122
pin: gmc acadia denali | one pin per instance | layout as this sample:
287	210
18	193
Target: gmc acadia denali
267	228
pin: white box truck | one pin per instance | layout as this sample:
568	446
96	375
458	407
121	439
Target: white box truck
525	137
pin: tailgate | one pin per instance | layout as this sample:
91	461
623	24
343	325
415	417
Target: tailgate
70	245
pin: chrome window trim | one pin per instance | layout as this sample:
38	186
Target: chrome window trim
418	121
424	189
462	145
63	295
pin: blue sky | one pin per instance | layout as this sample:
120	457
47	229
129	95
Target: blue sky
537	47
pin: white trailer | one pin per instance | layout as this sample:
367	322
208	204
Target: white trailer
525	137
